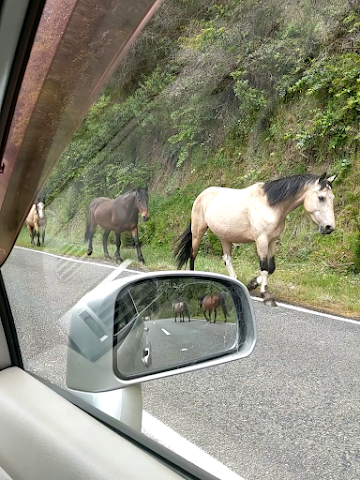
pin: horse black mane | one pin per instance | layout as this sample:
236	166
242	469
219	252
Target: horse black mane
284	188
135	190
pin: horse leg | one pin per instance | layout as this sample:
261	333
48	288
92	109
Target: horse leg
30	230
43	236
197	229
215	315
271	270
271	258
91	234
118	245
105	239
37	233
134	233
263	249
227	247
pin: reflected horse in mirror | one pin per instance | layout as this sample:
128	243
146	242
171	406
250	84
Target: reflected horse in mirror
210	303
36	221
181	308
118	215
256	214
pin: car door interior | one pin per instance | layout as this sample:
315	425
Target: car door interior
43	435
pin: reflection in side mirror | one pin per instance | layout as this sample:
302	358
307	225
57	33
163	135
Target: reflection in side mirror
155	325
192	320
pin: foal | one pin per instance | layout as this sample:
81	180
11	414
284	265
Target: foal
256	214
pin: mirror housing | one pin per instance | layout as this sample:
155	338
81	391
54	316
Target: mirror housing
117	334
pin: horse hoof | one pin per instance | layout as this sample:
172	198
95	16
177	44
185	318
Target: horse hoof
89	252
272	302
268	298
107	257
252	284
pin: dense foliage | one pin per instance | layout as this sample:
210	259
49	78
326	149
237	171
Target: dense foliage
226	93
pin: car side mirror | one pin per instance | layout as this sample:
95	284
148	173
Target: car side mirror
155	325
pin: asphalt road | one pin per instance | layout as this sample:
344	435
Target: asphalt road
174	343
289	412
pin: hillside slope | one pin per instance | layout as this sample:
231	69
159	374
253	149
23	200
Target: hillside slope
229	93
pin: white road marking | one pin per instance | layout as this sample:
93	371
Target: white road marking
161	433
86	262
165	331
283	305
312	312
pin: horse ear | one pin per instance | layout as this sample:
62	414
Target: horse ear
332	178
322	178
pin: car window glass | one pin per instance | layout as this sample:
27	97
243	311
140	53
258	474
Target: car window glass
224	94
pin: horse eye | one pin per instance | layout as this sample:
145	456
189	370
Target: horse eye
322	199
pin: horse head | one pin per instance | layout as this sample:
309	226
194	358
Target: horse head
40	208
319	202
200	299
142	203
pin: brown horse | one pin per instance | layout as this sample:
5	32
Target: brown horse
118	215
256	214
36	221
210	303
180	308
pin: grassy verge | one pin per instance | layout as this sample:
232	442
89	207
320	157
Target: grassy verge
306	284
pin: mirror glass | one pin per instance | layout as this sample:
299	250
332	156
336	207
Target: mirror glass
171	322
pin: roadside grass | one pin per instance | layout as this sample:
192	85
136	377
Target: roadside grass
311	283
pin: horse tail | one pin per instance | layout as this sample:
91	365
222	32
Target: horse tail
87	232
183	252
223	305
89	222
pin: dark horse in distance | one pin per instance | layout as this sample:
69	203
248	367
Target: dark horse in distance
118	215
210	303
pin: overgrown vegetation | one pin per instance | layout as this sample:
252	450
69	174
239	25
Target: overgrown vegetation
229	93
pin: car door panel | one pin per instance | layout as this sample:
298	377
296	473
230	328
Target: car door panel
42	436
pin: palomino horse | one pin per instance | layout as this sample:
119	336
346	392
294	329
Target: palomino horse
256	214
118	215
210	303
36	220
179	309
